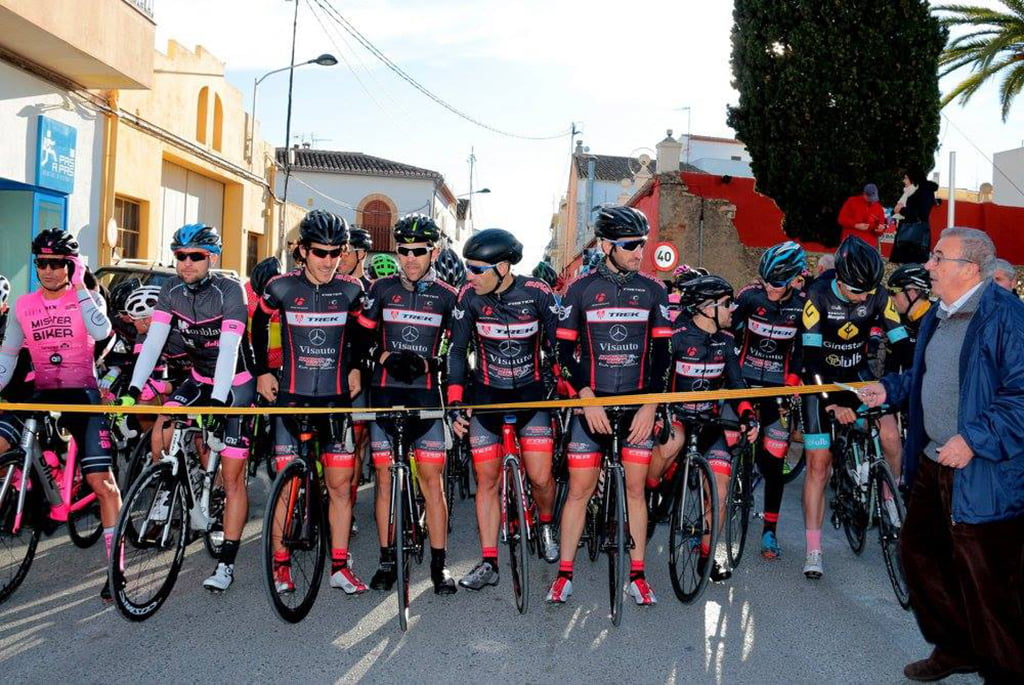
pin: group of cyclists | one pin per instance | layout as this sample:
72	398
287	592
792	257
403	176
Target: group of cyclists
426	328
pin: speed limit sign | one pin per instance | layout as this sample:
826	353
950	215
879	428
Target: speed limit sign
666	256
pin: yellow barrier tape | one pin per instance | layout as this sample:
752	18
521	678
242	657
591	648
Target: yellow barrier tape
616	400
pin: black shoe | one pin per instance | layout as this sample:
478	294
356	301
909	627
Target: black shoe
105	593
385	577
718	573
444	584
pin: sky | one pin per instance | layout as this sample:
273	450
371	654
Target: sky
624	74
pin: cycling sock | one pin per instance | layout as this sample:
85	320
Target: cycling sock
490	555
339	559
108	539
282	558
565	570
705	549
813	540
771	522
652	483
437	558
547	518
636	570
229	551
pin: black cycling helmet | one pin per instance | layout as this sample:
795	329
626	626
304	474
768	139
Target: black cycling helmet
910	276
781	263
198	237
858	265
616	223
545	272
56	242
262	273
695	292
416	228
493	245
320	226
120	292
450	268
359	239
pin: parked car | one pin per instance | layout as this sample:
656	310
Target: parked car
149	272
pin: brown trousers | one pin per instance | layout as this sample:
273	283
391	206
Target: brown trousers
966	581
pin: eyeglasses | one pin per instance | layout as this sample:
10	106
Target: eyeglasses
190	256
54	264
326	254
851	289
938	259
629	245
482	269
412	251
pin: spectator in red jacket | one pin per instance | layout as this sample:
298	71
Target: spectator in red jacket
863	216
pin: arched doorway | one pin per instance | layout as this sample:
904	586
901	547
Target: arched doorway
376	217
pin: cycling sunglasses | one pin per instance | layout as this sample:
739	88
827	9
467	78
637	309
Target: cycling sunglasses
629	245
53	264
326	254
853	291
479	270
190	256
412	251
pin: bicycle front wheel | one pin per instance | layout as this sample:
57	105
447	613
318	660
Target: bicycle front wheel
890	512
617	541
738	502
516	533
400	531
149	543
693	534
17	548
294	531
84	525
855	516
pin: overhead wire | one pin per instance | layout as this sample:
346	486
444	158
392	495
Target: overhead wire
984	156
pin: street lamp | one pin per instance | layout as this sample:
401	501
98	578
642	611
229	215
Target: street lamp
482	191
324	60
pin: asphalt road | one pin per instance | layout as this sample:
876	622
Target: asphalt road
767	624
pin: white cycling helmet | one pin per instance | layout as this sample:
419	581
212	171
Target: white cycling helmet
140	303
5	290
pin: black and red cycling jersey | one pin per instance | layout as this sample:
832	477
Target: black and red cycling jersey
767	339
508	332
315	333
401	319
614	336
703	361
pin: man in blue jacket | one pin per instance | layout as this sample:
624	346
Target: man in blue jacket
963	538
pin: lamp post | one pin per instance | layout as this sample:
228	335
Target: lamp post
324	60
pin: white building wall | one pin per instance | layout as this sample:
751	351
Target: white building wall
1008	177
717	157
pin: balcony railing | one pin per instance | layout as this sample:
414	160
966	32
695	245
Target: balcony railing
144	6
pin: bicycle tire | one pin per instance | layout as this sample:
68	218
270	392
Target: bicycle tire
616	545
294	518
138	457
592	530
794	462
694	513
889	530
84	526
16	550
141	547
738	503
399	493
518	552
855	515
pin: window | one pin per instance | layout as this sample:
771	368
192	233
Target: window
736	158
252	252
201	114
218	123
126	214
376	218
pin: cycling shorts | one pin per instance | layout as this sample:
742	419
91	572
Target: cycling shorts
90	431
712	442
194	392
327	427
585	448
817	423
428	438
534	428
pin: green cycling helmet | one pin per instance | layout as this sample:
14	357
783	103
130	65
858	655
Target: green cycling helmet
381	265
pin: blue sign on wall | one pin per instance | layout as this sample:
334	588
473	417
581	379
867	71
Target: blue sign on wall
55	155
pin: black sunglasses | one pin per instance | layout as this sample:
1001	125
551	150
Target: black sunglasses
190	256
54	264
326	254
412	251
481	269
629	245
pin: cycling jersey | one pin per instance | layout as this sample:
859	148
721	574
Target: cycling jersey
507	332
401	319
901	357
613	337
766	334
837	331
274	351
702	361
314	323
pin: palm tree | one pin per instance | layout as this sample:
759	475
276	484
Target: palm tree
994	46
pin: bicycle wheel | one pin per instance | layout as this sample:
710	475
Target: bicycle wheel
17	549
213	538
854	506
890	525
137	458
693	515
738	503
592	529
518	554
84	525
149	543
793	465
399	493
617	541
294	521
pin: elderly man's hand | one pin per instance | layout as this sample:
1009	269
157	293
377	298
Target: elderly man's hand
872	395
956	453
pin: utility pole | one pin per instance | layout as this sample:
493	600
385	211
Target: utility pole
572	138
281	245
469	198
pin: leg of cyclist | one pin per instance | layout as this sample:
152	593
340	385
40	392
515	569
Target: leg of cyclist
339	474
720	460
380	447
537	440
485	449
285	449
892	446
636	459
770	460
664	460
160	438
817	444
430	457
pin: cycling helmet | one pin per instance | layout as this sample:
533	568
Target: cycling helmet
858	265
120	292
198	237
493	245
262	273
141	302
319	226
5	290
910	276
381	265
781	263
545	272
699	290
416	228
55	241
359	239
616	223
450	268
591	261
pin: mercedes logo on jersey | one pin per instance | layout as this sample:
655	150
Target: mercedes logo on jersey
510	348
410	334
700	384
618	333
767	345
317	336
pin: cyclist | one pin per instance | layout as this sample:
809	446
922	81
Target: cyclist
119	356
353	263
545	272
408	316
909	286
382	265
704	358
318	307
260	275
58	325
209	311
354	257
765	324
450	268
613	339
841	309
509	321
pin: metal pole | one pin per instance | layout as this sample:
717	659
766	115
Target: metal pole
951	204
700	234
252	122
281	246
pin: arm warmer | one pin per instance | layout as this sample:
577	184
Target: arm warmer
13	341
95	317
150	354
259	330
227	360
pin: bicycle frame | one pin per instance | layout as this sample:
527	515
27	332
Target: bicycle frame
510	447
181	446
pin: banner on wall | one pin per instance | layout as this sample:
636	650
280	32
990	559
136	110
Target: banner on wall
55	155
